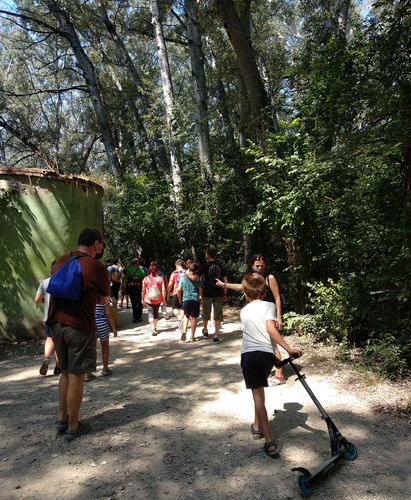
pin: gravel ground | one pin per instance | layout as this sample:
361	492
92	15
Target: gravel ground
173	422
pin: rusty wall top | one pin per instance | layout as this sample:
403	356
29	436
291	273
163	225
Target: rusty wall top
50	174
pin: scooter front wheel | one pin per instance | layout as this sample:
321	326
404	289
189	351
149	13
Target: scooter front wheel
350	452
303	487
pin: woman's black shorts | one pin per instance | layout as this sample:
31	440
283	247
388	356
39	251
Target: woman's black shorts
191	308
114	289
176	304
152	310
257	366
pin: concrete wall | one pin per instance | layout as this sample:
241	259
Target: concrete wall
41	216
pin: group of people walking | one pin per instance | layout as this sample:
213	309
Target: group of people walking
77	312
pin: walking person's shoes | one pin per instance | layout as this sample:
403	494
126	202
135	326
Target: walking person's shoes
205	334
183	336
44	366
106	371
166	316
154	332
62	425
89	376
83	427
216	340
57	370
275	381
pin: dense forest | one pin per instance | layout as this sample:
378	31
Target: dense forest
273	126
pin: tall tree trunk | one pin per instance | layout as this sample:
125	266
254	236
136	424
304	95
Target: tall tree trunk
238	34
199	82
2	149
223	111
244	108
342	18
89	74
267	83
168	97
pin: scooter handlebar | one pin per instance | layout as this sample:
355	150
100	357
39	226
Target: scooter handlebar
283	362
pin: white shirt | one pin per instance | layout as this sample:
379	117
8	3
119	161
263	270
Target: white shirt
253	322
43	290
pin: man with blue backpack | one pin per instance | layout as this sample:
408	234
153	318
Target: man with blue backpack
77	278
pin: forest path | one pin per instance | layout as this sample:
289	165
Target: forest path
173	422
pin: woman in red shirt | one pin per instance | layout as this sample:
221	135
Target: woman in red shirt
152	294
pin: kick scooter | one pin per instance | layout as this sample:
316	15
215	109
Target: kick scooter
340	447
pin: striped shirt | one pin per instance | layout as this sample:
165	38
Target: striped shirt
103	328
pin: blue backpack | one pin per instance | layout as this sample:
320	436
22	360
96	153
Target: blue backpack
67	280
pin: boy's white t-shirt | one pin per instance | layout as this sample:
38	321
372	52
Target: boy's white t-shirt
253	322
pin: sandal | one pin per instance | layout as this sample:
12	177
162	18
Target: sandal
62	425
256	434
269	452
273	382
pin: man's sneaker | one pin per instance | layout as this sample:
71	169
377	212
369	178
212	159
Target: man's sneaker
183	336
84	426
89	376
106	371
154	332
166	316
205	334
216	340
57	370
44	366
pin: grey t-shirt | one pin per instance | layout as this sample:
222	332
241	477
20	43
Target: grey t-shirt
43	290
253	322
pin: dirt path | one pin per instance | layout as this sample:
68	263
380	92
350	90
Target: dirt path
173	422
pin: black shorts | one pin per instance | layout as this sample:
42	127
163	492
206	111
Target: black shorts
175	303
191	308
152	310
257	366
76	349
114	289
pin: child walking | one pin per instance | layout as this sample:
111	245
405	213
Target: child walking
190	285
257	352
104	320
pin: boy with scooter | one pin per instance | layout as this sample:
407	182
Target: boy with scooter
257	353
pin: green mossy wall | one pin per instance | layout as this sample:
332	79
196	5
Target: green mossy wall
40	219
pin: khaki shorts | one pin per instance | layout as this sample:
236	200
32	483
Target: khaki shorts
217	302
76	349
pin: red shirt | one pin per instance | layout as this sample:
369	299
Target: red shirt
150	281
80	314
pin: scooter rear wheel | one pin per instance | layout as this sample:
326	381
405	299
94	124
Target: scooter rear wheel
350	452
303	488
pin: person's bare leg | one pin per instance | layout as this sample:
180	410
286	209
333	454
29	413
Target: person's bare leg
57	359
48	347
205	324
115	302
261	417
278	371
127	299
63	385
155	321
217	328
105	351
193	327
74	399
185	323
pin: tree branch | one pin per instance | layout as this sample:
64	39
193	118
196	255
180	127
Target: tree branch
48	91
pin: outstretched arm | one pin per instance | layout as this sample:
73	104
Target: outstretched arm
231	286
